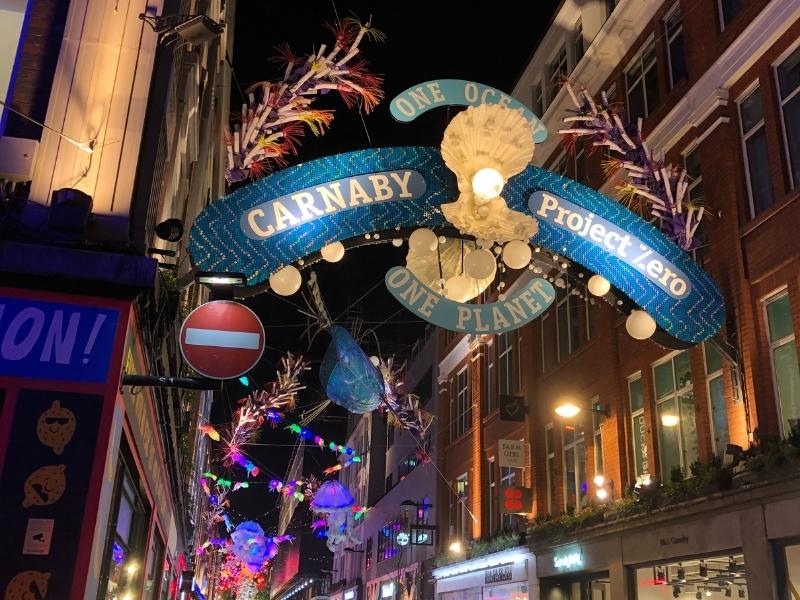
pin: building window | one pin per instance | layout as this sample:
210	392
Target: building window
409	463
389	482
641	82
572	321
462	514
695	194
127	531
492	494
387	540
537	99
788	77
462	420
717	401
610	6
505	364
638	426
754	141
677	430
574	465
597	437
578	48
368	554
389	431
676	50
783	355
560	165
550	452
491	392
154	580
557	70
728	9
717	577
549	357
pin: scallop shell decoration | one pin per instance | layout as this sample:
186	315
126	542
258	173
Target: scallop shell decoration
488	136
451	257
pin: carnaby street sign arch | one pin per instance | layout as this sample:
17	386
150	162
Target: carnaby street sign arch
293	213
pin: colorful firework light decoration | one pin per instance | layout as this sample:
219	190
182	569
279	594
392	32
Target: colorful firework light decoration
652	184
275	114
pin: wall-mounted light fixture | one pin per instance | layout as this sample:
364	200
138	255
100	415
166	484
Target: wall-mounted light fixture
568	408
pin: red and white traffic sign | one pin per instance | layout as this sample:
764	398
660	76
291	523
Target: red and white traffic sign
222	339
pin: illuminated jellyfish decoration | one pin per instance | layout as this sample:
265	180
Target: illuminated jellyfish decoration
251	546
334	500
348	376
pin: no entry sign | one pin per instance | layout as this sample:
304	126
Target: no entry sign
222	339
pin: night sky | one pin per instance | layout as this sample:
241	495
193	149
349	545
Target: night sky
451	40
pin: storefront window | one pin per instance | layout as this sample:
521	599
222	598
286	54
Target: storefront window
791	575
720	577
470	594
783	352
509	591
677	429
717	399
155	560
574	465
124	554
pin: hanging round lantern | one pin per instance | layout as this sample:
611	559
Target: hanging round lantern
516	254
640	325
333	252
480	264
423	241
458	288
598	285
286	281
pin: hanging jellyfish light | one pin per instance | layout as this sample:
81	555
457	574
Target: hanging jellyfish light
250	545
348	376
335	501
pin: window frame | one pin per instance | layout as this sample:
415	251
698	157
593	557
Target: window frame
640	78
577	37
492	493
751	89
712	376
579	443
550	461
537	99
781	103
461	507
505	364
463	405
721	13
560	59
774	296
675	396
675	8
597	437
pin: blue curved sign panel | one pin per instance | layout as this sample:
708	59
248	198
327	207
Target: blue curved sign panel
421	98
520	307
575	221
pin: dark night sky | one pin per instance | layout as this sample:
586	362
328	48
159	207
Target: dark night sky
425	40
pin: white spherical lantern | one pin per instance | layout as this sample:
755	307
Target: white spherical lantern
286	281
487	183
480	264
423	241
374	360
598	285
333	252
485	243
397	242
458	288
516	254
640	325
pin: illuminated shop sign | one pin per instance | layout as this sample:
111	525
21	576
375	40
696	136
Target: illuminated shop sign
504	573
414	101
519	308
387	589
349	595
571	560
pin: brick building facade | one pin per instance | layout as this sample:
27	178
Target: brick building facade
717	86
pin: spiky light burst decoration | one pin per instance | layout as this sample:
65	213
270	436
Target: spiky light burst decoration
652	186
275	113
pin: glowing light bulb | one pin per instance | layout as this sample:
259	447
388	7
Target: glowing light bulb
567	409
669	420
487	183
601	494
599	480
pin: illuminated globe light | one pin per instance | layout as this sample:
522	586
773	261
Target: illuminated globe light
669	420
286	281
480	264
333	252
458	288
487	183
516	254
397	242
598	285
485	243
599	480
601	493
455	547
567	409
640	325
374	360
423	241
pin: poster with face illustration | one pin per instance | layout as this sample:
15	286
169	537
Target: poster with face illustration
46	477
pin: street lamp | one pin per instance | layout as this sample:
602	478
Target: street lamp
567	408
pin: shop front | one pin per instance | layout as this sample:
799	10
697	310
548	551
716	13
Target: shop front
506	575
742	545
